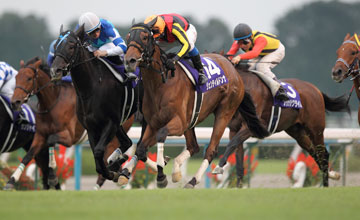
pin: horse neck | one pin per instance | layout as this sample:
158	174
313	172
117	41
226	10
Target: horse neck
152	79
48	94
85	75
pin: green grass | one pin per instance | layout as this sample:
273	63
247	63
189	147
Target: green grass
305	203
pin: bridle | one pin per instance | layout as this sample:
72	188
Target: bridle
35	91
60	51
147	51
351	67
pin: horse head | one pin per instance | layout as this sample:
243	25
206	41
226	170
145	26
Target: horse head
141	44
26	83
67	52
347	62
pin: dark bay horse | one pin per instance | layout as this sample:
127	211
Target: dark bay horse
347	64
103	102
305	125
168	107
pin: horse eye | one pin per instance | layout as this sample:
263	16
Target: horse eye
29	78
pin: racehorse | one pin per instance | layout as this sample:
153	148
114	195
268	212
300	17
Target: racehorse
168	107
347	64
13	137
56	122
103	102
306	125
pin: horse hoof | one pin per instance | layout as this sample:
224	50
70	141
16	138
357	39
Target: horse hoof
191	184
10	185
176	177
96	187
334	175
162	182
116	177
218	170
53	181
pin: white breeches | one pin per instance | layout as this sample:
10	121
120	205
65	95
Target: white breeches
8	88
175	46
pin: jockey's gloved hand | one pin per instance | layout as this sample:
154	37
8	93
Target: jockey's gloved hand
170	64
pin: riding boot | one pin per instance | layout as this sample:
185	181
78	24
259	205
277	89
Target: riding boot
275	87
198	65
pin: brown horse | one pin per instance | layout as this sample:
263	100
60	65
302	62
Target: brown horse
56	120
168	107
305	125
347	64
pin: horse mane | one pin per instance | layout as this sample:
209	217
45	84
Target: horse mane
43	66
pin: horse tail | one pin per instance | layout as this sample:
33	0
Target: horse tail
337	104
248	112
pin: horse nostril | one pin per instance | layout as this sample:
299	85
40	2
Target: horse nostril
339	72
132	61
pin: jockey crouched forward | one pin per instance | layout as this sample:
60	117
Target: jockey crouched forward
104	39
265	50
173	30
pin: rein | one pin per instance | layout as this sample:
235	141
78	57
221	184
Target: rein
147	52
32	92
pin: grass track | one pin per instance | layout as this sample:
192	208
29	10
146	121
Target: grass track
307	203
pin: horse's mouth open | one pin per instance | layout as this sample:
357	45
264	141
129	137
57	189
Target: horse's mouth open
337	79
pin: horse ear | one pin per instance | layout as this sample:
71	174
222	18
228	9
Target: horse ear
61	29
80	32
133	22
22	64
222	52
38	63
347	37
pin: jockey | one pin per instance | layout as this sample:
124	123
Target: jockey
7	79
104	39
173	30
265	49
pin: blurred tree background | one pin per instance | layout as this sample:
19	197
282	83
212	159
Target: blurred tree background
311	35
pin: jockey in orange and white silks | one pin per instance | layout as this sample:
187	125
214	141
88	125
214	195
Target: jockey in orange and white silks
7	79
173	31
104	39
264	50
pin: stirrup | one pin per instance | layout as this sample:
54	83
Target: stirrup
281	95
202	78
131	76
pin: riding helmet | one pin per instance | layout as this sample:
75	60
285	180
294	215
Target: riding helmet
156	23
242	31
90	21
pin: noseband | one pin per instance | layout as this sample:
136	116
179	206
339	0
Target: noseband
351	68
60	51
147	51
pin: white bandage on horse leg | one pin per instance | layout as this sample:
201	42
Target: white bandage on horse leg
18	172
52	161
201	171
131	151
179	160
114	156
132	163
160	155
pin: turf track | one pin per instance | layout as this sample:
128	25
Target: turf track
308	203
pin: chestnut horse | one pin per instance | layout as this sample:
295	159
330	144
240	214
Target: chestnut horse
56	120
305	125
168	107
347	64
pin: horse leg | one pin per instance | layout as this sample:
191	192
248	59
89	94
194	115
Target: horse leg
161	179
314	145
221	121
99	182
236	142
239	155
140	154
107	134
42	160
34	150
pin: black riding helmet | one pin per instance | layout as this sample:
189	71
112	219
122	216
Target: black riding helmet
242	31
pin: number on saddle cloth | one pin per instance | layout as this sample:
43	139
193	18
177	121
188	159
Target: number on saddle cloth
213	71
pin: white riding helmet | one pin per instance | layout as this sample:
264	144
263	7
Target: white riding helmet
90	21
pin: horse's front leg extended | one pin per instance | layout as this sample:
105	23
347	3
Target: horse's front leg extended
34	150
140	154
